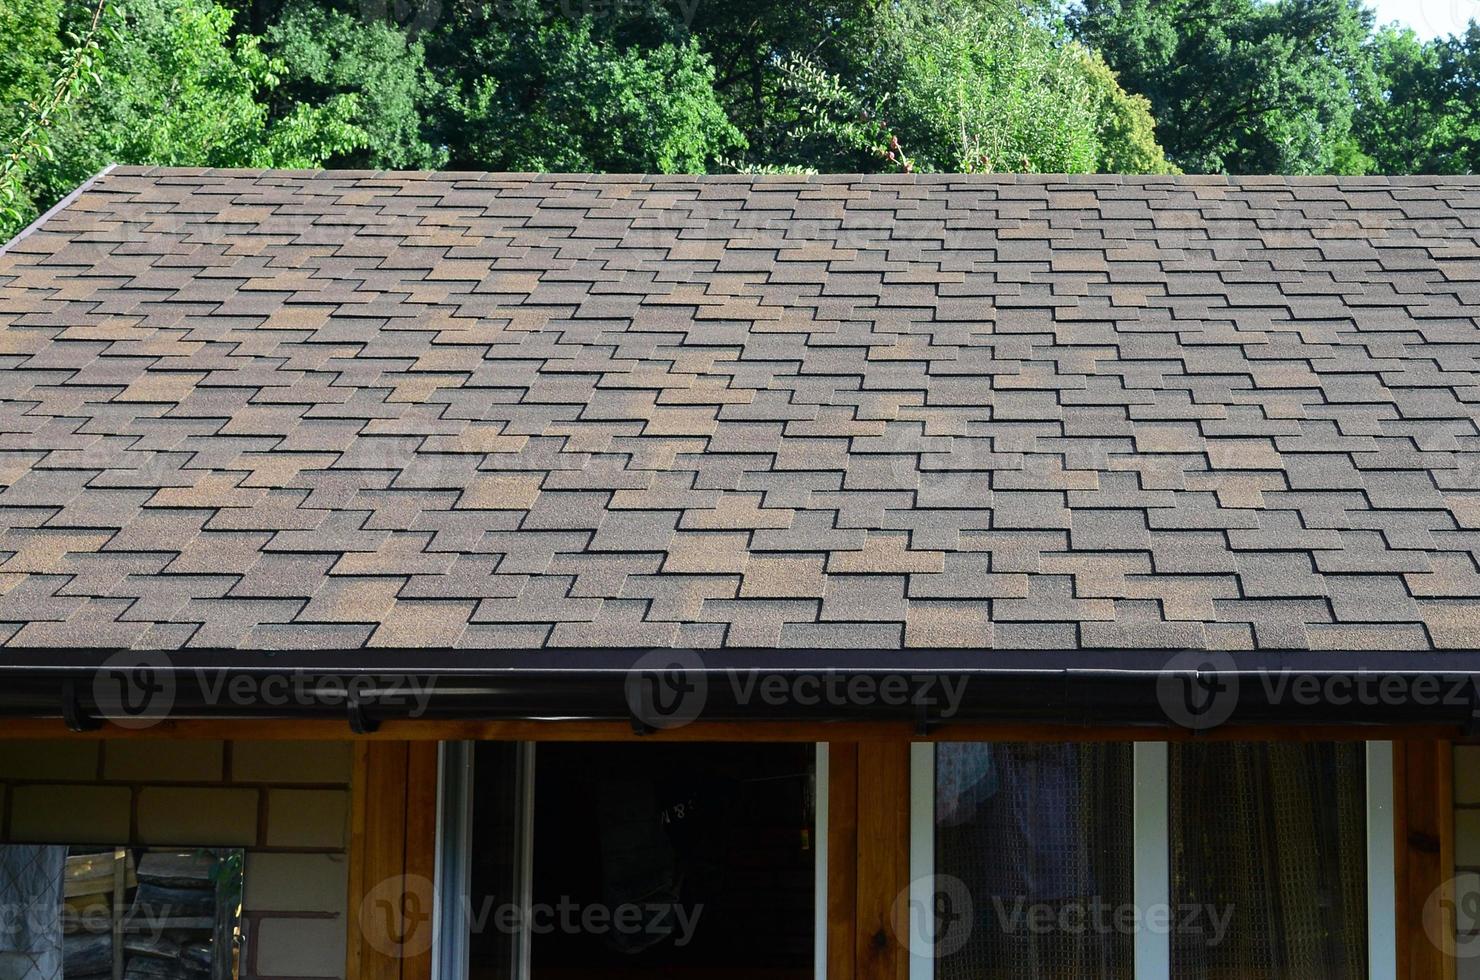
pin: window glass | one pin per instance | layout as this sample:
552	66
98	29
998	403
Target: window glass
84	912
665	860
1268	860
497	893
1033	861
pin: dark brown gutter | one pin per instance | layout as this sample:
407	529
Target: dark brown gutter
665	688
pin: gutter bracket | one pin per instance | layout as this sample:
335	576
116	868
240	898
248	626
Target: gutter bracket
77	720
359	722
1472	723
640	727
923	723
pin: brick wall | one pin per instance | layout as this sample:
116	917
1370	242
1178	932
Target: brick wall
287	803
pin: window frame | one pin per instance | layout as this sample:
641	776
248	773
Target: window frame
1151	859
454	842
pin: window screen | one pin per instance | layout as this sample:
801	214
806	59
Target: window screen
1033	853
1268	860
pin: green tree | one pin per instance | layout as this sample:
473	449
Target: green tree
34	101
561	96
1242	86
30	32
1459	69
960	86
174	87
748	41
1125	128
1423	116
326	54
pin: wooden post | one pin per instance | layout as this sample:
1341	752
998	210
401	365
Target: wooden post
1423	795
842	858
881	939
421	843
868	851
392	853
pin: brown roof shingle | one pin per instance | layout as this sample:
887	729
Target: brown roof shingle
273	408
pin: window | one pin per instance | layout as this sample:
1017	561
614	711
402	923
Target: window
631	860
1191	861
1037	836
1268	845
1129	861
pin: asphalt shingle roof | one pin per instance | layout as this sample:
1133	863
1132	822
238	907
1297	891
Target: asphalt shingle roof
271	409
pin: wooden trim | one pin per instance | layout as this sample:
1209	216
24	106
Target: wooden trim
392	857
882	936
1423	825
376	850
715	731
842	858
868	860
421	842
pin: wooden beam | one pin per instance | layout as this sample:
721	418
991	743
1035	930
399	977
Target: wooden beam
421	845
709	731
391	858
1423	794
842	854
882	936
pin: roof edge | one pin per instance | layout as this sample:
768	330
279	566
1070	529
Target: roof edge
56	208
665	689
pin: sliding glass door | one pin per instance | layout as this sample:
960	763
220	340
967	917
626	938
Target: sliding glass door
1189	861
637	860
1028	861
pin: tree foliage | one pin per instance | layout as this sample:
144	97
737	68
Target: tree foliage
1125	128
958	87
560	96
32	32
173	87
1134	86
1424	115
326	54
34	107
1245	86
